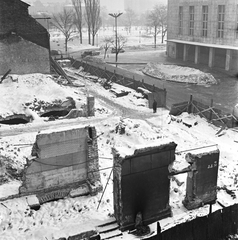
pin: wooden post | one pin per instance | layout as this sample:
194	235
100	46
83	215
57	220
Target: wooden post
189	109
134	82
210	208
232	119
211	105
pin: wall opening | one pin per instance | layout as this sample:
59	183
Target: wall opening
179	51
191	53
55	113
204	55
14	121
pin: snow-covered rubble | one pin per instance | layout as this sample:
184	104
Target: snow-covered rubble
141	128
178	74
34	91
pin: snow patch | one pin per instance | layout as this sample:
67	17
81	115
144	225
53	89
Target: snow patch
178	74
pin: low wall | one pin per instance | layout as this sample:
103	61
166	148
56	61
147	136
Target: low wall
212	114
102	72
215	226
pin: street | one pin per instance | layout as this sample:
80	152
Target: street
224	94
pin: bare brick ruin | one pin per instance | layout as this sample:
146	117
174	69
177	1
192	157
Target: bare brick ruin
63	163
141	184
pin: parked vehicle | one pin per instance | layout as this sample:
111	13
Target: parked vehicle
90	53
120	51
55	52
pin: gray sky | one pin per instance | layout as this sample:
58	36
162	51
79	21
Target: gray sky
112	5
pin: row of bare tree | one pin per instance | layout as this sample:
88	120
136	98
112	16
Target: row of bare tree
91	16
66	20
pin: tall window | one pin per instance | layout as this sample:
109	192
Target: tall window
191	20
180	20
221	21
204	20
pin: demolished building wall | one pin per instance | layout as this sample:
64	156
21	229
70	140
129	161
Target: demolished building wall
202	179
141	184
64	160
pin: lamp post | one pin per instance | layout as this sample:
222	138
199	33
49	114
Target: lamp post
115	15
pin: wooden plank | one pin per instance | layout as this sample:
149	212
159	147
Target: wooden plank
60	136
62	148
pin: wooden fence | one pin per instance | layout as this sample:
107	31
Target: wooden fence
212	114
103	72
215	226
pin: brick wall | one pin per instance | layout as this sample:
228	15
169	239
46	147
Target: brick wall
230	21
22	56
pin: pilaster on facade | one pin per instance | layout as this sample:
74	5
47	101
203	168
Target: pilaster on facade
197	54
185	52
211	57
228	59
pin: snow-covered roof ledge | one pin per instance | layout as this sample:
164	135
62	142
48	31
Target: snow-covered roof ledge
127	152
199	153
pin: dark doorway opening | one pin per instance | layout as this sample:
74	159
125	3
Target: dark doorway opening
14	121
55	114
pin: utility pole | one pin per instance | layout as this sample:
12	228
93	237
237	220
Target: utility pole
116	15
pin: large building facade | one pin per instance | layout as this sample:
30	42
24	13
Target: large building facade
204	31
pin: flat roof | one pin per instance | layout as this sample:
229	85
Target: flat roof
203	44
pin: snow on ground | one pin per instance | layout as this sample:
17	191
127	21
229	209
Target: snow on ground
32	90
178	74
142	128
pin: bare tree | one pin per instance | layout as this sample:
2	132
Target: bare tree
153	21
93	19
87	16
78	17
121	42
129	18
107	42
64	22
163	21
157	19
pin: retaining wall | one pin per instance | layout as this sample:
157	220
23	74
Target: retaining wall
102	72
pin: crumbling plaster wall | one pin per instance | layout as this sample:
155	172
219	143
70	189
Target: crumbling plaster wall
22	56
65	159
202	180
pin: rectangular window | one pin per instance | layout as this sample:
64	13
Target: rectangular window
221	21
180	20
204	20
191	20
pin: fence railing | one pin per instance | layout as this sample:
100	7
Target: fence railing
212	114
102	72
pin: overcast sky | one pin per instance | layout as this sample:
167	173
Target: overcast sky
112	5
